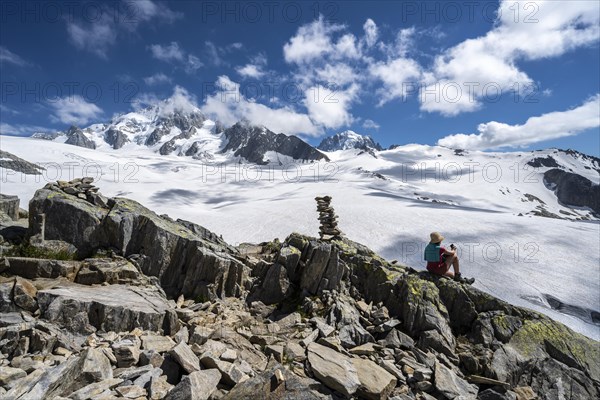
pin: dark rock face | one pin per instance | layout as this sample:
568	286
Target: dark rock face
167	148
252	142
573	190
77	138
115	138
186	122
12	162
547	161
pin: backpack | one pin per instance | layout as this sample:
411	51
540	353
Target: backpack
432	252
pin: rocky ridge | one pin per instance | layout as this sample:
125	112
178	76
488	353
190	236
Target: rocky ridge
148	307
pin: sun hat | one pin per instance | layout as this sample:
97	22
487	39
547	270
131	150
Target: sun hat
436	237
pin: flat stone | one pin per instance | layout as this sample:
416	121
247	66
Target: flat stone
127	352
375	382
94	389
9	375
131	392
366	349
183	354
199	385
333	369
231	374
159	387
123	308
451	385
157	343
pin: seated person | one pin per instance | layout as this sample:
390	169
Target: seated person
440	259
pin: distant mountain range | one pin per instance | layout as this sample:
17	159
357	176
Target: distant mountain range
166	130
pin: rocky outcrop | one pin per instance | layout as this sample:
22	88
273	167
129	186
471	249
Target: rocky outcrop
321	320
186	258
76	137
115	138
14	163
253	142
573	190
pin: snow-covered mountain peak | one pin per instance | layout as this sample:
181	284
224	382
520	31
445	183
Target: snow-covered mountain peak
347	140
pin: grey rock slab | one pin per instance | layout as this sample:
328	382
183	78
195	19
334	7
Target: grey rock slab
183	354
375	382
199	385
157	343
451	385
333	369
94	389
10	374
115	308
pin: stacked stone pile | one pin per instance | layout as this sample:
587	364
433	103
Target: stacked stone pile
82	188
328	229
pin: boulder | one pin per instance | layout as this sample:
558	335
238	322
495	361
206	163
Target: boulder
127	352
24	295
375	382
105	270
185	357
198	385
115	308
451	385
278	383
231	374
94	389
9	375
335	370
9	205
34	268
95	366
157	343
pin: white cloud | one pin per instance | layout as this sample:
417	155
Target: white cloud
311	42
74	110
251	71
145	10
181	100
491	59
371	32
7	110
255	69
330	107
172	53
193	64
553	125
339	74
19	129
96	37
100	34
399	76
168	52
157	79
7	56
228	105
370	124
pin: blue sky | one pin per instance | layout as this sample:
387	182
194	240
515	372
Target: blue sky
480	75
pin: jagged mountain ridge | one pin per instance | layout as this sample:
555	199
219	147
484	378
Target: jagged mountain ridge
169	130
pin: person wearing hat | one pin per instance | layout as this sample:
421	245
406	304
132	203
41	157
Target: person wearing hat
439	259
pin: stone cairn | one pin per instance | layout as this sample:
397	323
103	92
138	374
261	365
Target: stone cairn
328	229
82	188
